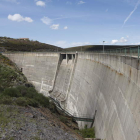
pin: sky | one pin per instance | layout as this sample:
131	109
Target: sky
70	23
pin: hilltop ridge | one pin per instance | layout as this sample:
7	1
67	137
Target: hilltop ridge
11	44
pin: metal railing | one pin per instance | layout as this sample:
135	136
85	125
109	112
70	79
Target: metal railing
126	51
77	117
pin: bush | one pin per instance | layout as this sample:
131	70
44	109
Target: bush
23	90
6	100
33	103
31	92
43	101
52	107
22	101
25	96
63	119
12	92
87	132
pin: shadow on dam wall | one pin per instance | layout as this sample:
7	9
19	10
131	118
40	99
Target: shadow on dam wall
107	83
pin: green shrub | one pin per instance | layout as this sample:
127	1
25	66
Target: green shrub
12	92
21	101
87	132
42	100
33	103
24	96
1	89
52	107
6	100
23	90
31	92
63	119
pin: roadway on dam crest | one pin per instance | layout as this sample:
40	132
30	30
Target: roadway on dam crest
107	83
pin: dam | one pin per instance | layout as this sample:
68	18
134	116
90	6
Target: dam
85	82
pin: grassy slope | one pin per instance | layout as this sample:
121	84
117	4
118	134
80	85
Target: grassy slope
20	45
10	75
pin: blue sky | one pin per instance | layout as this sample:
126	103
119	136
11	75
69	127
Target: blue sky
69	23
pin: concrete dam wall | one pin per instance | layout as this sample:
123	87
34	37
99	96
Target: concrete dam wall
87	82
39	68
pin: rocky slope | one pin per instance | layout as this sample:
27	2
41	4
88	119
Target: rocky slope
28	123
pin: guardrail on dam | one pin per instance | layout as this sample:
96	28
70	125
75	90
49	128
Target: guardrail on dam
108	83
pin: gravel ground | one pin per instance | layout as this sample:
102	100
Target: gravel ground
20	123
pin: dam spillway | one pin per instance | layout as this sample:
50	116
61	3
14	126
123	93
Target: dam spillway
85	82
63	77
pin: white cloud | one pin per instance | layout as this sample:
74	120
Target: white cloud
55	26
122	40
114	41
40	3
65	27
28	19
81	2
19	18
135	8
46	20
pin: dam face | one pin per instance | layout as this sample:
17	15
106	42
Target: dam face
86	82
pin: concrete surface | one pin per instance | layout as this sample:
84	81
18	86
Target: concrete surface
107	83
39	68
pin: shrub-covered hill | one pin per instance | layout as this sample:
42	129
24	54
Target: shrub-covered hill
95	47
11	44
10	75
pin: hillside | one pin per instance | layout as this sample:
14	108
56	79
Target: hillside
10	75
11	44
95	47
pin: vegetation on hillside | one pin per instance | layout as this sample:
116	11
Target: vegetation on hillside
11	44
13	88
10	75
23	96
87	132
95	47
